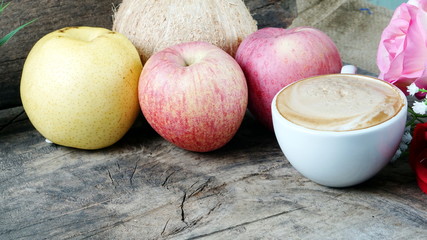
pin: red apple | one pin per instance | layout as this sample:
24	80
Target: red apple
272	58
194	95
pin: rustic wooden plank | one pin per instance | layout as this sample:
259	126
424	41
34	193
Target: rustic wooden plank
144	187
52	15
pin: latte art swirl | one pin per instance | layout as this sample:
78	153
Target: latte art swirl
339	102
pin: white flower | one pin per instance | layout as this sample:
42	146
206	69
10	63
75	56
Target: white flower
407	137
413	89
403	146
419	107
396	155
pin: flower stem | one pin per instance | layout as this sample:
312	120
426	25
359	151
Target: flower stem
416	118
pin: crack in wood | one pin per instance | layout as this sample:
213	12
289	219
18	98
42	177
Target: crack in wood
106	228
185	198
246	223
45	220
196	221
12	120
111	178
201	187
154	165
214	208
164	228
182	208
133	172
189	224
167	178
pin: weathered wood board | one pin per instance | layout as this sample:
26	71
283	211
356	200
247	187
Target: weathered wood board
145	188
53	15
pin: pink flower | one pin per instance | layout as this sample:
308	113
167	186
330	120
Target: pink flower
402	52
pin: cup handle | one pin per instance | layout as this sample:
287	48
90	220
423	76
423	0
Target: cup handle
349	69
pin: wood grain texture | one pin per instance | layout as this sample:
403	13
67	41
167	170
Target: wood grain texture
52	15
145	188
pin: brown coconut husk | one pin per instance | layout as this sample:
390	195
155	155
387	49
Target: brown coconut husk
154	25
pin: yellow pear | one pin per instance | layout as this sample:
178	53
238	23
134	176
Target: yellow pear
79	86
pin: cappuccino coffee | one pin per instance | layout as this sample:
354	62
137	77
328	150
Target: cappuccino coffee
339	102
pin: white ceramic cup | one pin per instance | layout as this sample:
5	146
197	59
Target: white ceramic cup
339	159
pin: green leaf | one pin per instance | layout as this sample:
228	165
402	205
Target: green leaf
6	38
3	6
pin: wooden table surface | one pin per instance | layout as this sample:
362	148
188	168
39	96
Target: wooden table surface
145	188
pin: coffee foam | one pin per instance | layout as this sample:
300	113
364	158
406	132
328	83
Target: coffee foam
339	102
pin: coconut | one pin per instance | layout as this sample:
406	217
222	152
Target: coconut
153	25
